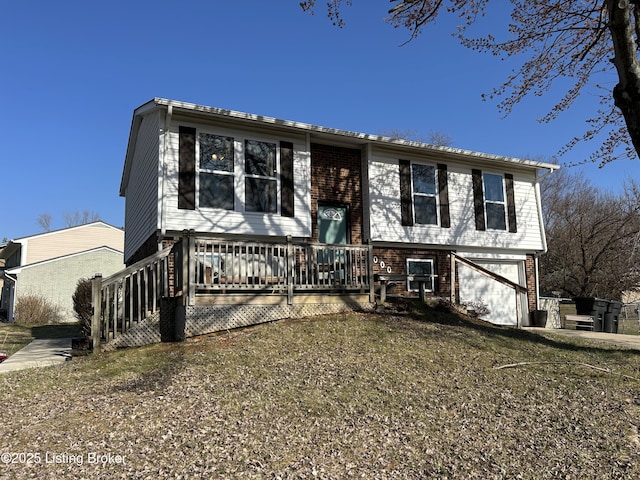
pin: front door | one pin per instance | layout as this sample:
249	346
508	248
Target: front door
332	224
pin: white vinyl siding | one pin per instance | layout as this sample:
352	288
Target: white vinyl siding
385	210
238	221
141	213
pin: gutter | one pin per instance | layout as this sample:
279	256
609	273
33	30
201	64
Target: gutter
536	255
539	206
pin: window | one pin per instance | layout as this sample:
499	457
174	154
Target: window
494	201
261	184
419	266
216	171
240	174
424	194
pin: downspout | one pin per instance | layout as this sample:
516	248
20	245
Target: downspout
536	255
162	167
12	293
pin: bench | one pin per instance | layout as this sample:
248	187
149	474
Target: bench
398	277
578	322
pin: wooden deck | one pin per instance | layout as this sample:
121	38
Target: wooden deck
213	271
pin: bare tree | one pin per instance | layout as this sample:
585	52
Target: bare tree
591	238
80	218
44	220
576	41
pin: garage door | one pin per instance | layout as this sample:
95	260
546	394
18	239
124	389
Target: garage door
499	299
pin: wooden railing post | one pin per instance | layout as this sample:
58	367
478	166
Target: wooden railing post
291	264
96	303
372	287
188	267
452	277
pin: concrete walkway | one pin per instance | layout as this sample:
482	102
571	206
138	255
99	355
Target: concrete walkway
631	342
42	352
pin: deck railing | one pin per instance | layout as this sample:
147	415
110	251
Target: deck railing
129	296
199	266
223	265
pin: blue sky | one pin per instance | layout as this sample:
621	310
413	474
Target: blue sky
72	73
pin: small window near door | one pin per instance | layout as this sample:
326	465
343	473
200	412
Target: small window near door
419	266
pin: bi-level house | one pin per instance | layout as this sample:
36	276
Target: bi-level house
272	212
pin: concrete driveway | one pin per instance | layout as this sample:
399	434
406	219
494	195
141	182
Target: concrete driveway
631	342
42	352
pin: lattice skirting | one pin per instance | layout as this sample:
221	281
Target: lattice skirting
203	319
145	332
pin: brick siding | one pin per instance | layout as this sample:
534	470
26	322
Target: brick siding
336	178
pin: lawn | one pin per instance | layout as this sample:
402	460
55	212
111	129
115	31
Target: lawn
426	394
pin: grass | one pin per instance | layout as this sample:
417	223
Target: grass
415	395
14	336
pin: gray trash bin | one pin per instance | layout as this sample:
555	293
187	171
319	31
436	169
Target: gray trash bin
595	307
538	318
611	316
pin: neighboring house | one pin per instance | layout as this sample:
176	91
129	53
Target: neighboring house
453	214
50	264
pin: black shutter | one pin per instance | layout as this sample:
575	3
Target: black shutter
287	198
478	199
443	193
511	203
187	168
406	202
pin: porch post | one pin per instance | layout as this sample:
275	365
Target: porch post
291	262
518	309
372	286
96	303
452	276
188	266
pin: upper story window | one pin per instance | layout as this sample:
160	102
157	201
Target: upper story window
260	176
424	194
216	177
494	199
235	173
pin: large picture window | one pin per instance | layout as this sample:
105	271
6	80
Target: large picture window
424	194
494	201
261	181
230	172
216	171
419	266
